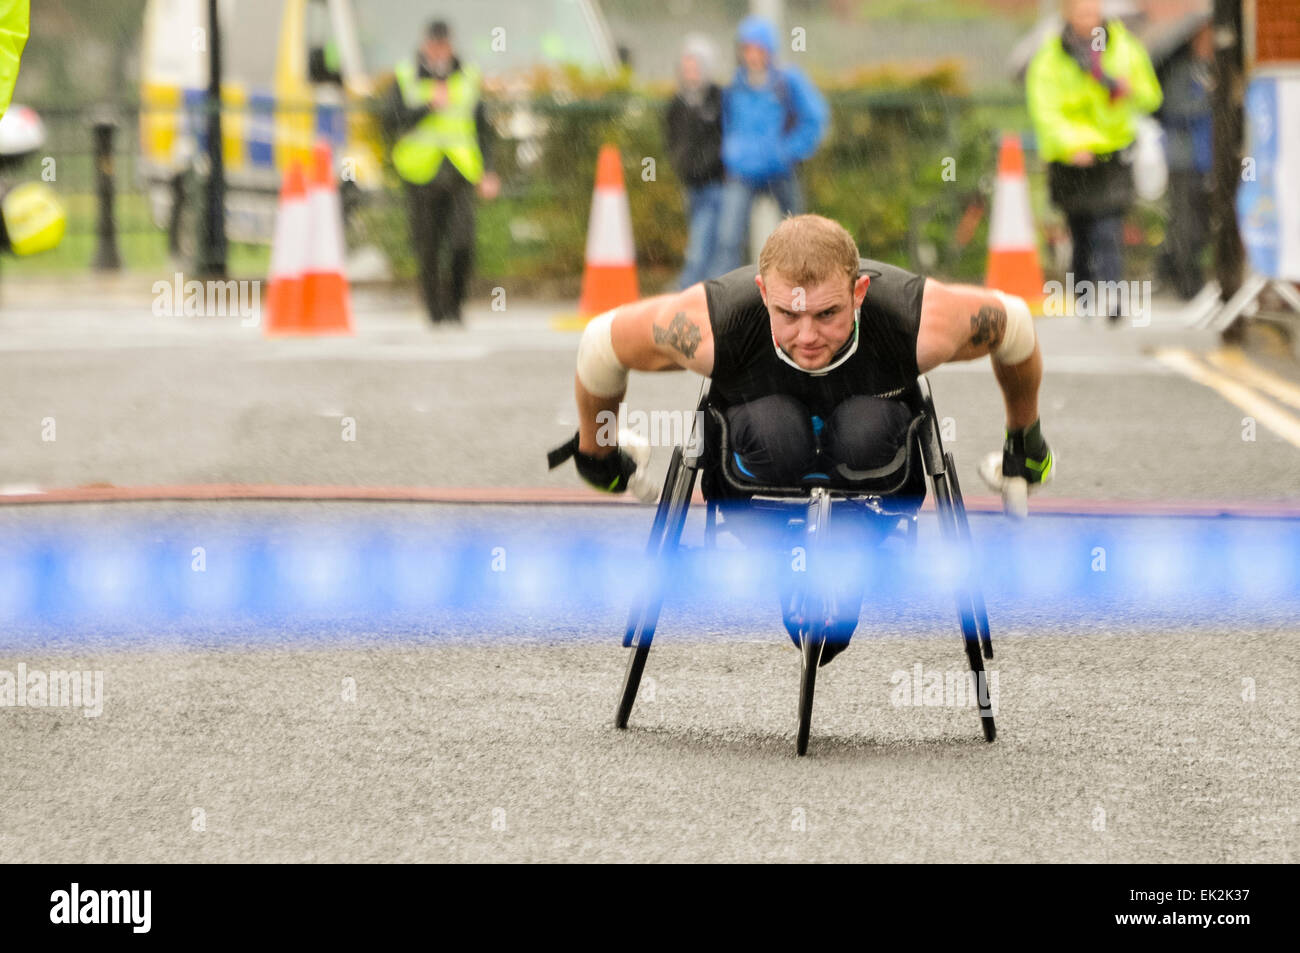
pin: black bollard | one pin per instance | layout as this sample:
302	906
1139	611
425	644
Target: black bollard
212	231
106	254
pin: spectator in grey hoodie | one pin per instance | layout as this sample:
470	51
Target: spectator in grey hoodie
694	137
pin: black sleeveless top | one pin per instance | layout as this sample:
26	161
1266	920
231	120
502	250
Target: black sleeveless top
746	365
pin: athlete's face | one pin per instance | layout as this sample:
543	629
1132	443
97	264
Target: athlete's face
811	324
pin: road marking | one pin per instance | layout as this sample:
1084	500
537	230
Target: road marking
19	489
1282	423
1232	361
363	351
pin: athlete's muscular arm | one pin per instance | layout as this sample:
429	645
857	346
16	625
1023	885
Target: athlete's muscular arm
962	323
664	333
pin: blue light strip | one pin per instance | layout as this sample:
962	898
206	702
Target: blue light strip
341	580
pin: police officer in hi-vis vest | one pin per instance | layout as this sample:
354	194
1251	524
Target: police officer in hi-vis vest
441	154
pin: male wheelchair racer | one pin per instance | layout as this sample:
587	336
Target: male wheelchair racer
816	616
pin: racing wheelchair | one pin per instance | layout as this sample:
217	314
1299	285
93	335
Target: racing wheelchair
891	494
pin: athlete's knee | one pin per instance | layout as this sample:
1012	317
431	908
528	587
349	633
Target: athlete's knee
866	432
773	437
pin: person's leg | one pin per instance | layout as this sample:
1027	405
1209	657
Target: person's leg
441	212
1081	241
461	238
1200	201
1179	235
861	433
772	439
419	208
695	259
1107	238
788	194
733	223
864	433
703	204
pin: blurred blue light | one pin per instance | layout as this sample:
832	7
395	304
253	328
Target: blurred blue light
1176	571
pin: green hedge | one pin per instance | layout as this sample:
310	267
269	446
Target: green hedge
880	172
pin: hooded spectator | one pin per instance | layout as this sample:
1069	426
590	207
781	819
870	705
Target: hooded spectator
773	118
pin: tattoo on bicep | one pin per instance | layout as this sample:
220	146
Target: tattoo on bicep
680	335
988	326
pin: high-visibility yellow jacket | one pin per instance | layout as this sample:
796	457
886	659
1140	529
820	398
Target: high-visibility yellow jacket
1072	112
15	24
448	132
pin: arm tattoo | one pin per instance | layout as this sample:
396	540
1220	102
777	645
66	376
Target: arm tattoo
681	335
988	326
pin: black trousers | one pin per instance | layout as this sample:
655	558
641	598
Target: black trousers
1095	200
778	441
1188	232
442	215
1098	250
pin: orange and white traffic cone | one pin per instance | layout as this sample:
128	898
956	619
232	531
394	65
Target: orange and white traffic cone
610	275
309	292
327	305
1013	248
284	300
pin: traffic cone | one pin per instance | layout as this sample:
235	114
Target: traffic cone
285	300
327	306
610	275
1013	248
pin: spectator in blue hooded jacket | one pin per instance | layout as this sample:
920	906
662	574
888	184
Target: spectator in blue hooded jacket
773	118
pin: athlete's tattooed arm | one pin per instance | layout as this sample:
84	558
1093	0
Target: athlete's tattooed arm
965	323
667	332
958	323
680	335
987	327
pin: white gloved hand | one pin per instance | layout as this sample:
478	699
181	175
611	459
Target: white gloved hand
642	484
1014	490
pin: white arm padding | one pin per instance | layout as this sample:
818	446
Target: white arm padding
599	368
1019	338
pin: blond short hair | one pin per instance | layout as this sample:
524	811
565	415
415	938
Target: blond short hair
808	249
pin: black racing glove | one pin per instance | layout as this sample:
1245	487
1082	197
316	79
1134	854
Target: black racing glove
610	474
1026	454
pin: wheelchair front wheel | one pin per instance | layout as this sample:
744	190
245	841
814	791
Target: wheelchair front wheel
816	612
813	640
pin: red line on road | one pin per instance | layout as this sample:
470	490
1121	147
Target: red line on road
533	496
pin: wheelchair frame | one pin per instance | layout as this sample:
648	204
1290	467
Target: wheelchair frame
816	609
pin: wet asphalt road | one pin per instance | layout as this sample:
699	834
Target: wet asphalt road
1125	734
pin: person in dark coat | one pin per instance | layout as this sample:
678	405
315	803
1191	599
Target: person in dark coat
1187	118
694	136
